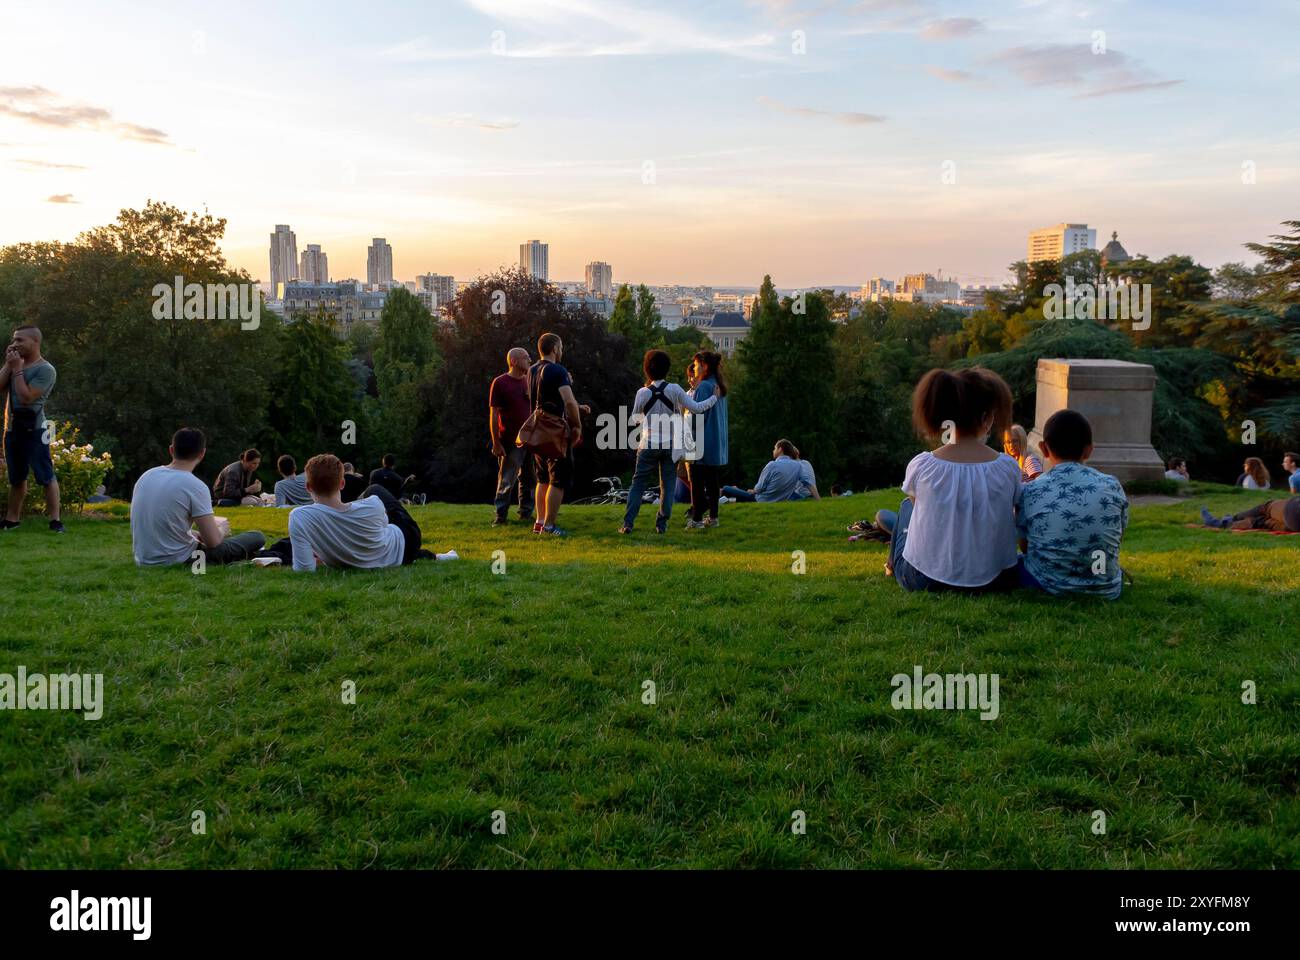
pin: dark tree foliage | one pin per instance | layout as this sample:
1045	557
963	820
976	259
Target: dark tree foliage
127	379
788	390
452	442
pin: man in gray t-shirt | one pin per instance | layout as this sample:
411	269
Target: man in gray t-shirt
291	488
168	499
27	379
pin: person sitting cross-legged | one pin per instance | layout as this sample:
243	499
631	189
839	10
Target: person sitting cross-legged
168	499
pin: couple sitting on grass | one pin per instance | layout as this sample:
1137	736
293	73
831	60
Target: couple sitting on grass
371	532
968	505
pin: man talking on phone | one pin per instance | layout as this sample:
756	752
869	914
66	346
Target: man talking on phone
27	379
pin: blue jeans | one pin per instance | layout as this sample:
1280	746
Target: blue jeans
739	495
648	463
886	520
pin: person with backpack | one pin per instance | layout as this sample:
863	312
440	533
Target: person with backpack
658	406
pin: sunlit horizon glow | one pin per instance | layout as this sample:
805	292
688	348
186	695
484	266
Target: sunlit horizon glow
459	135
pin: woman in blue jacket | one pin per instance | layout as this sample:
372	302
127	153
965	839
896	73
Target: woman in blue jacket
714	444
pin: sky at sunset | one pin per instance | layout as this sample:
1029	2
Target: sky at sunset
697	142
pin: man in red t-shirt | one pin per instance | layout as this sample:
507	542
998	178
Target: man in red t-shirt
508	408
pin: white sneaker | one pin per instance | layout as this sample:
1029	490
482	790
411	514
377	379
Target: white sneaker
725	500
267	561
449	555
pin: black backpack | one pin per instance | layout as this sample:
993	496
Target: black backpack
658	394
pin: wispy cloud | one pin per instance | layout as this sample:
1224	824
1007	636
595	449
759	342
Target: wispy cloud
40	106
1060	64
469	120
850	117
586	28
952	76
951	28
47	165
1127	88
61	198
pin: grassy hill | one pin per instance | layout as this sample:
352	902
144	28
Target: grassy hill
523	693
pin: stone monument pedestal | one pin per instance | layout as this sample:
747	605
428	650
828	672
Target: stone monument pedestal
1115	396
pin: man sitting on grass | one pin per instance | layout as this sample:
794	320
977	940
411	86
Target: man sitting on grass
782	478
291	488
1072	517
371	532
168	499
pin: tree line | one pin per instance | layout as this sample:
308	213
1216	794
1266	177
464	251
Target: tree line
833	376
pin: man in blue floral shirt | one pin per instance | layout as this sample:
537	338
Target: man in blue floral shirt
1072	517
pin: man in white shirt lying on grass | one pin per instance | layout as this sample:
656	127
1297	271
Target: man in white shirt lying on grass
371	532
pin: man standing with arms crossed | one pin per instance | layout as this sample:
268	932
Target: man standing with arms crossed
27	379
508	408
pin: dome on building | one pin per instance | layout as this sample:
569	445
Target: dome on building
1114	251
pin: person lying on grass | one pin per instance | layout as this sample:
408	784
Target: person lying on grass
166	500
1072	518
957	528
1280	516
371	532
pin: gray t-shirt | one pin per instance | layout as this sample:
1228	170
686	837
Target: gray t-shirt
292	491
164	504
39	376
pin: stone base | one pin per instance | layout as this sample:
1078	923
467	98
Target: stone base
1115	396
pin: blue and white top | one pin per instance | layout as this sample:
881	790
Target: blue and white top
1066	515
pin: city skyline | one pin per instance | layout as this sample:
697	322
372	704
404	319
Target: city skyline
821	142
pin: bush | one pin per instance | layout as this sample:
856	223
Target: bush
76	467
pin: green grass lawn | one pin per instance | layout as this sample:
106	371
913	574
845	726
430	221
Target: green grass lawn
522	692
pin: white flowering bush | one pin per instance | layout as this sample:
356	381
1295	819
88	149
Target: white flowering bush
78	468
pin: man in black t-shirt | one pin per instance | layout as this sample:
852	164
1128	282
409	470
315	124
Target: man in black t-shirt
550	388
387	477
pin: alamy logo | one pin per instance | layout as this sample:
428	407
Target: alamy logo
58	691
211	301
952	691
102	913
1110	301
676	431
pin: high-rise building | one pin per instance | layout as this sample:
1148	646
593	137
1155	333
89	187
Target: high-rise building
1053	243
284	256
600	278
442	288
534	259
315	265
379	262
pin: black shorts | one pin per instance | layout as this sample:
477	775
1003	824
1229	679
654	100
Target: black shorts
556	473
23	452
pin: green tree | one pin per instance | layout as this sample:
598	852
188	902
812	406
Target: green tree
128	378
491	315
406	360
313	392
788	358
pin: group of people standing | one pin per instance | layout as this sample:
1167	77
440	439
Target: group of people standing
546	386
